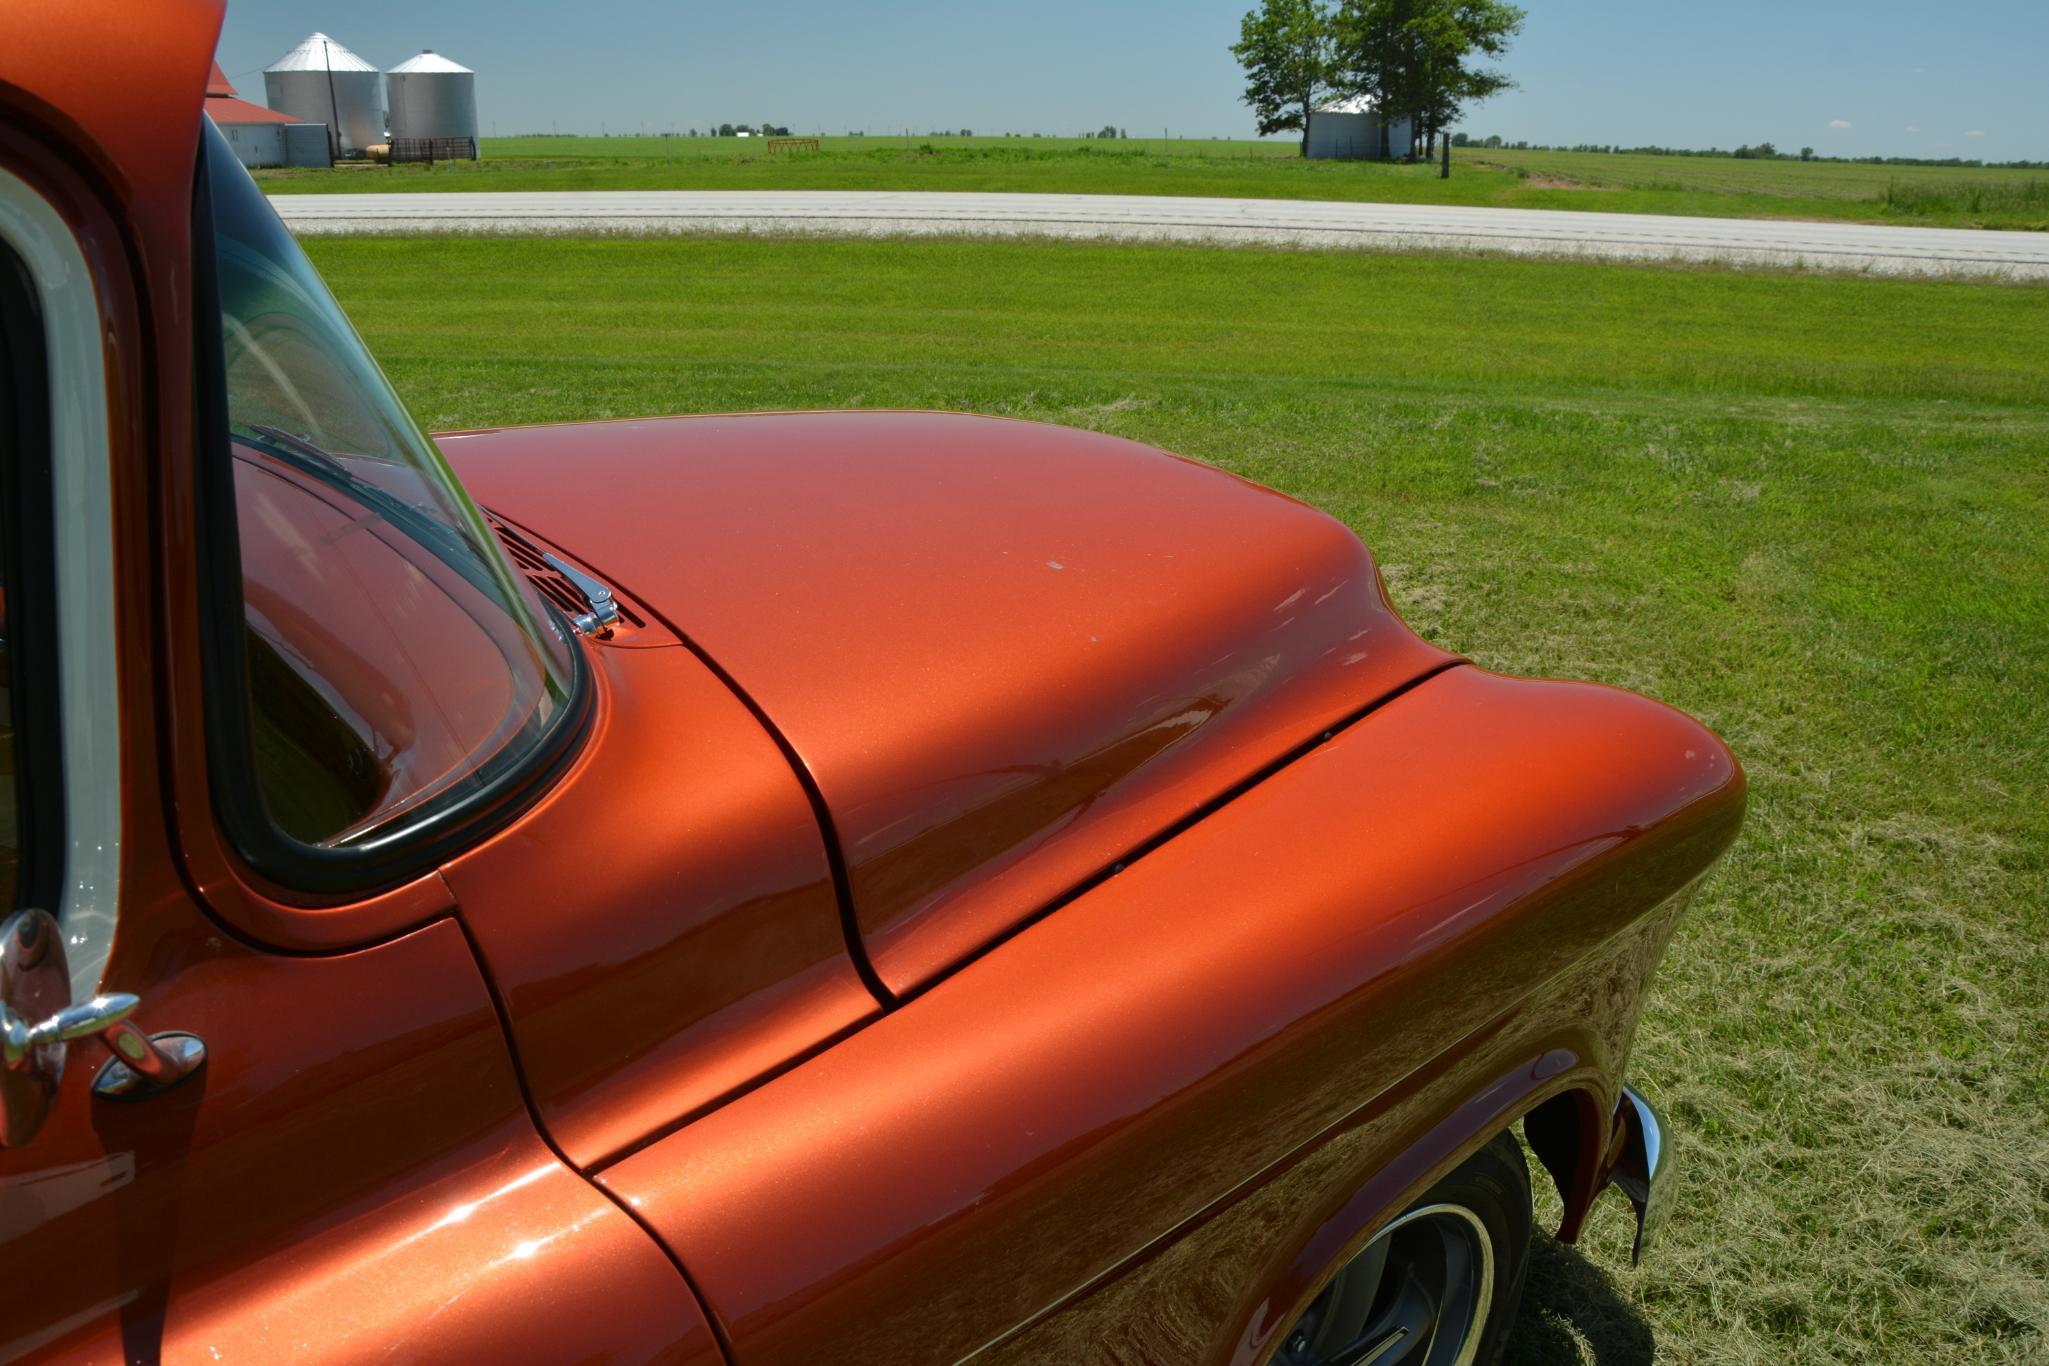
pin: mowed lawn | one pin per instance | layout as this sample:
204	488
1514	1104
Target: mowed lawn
1813	511
1951	196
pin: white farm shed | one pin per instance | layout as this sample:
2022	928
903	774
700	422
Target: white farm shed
259	136
1349	130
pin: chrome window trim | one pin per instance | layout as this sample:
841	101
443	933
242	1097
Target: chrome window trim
82	491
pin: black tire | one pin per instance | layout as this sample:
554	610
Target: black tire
1440	1285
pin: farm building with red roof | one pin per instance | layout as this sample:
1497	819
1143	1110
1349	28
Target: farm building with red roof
262	137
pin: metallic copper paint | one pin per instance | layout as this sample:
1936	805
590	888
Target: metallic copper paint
663	926
1229	1283
287	1196
1007	653
354	1170
101	118
1077	1094
1181	1091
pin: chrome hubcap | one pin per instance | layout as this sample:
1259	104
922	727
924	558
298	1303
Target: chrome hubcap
1417	1295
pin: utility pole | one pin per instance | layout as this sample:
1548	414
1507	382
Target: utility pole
333	107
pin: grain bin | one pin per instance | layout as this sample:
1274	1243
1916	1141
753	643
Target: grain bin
432	97
320	81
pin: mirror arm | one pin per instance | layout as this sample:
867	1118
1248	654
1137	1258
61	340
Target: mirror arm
143	1065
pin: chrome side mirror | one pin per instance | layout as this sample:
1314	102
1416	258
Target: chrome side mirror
38	1023
35	984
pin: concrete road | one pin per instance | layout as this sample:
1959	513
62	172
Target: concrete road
1836	246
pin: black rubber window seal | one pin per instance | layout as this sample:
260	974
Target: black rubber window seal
397	854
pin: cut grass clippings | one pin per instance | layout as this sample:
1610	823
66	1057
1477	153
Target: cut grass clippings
1812	511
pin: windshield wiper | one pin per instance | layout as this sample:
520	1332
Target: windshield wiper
430	533
333	469
604	608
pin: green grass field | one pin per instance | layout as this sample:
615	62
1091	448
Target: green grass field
1991	196
1711	186
1813	511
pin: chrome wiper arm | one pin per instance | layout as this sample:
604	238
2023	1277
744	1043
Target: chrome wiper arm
604	608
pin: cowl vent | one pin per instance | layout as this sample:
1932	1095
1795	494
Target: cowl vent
531	560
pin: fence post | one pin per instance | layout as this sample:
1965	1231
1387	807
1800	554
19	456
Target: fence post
1445	174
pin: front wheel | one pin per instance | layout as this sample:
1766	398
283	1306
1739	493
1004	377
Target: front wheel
1439	1285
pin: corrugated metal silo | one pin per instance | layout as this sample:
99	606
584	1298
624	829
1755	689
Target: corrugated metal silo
306	145
320	81
432	97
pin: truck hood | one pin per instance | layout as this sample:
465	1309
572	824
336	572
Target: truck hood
1005	656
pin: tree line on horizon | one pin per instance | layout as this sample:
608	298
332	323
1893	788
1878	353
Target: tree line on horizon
1763	151
1416	57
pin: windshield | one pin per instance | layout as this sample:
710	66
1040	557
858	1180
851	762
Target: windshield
395	662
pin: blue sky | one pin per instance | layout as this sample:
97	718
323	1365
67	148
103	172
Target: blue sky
1967	78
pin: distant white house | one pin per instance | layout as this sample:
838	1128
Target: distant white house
743	133
1349	130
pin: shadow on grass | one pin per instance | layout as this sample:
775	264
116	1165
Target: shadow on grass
1572	1312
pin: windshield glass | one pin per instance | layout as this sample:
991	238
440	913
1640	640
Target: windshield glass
395	662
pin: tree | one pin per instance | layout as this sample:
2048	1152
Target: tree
1421	57
1107	131
1807	154
725	130
1285	48
1371	55
1466	32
